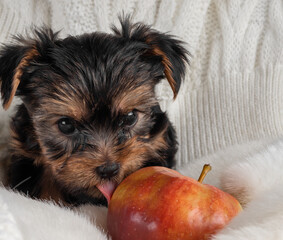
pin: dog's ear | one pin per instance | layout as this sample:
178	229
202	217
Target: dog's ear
170	51
13	60
16	58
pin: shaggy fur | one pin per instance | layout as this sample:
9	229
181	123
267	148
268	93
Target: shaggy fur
89	111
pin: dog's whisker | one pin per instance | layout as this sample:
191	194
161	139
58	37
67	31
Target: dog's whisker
22	182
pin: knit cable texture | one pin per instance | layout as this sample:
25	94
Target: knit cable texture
233	89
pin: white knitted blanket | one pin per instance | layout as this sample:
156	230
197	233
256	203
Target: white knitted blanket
230	103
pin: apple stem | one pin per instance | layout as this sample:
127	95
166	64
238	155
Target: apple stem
205	170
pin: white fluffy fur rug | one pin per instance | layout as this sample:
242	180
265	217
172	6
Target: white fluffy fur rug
252	172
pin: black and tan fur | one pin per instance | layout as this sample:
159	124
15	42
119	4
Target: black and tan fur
88	85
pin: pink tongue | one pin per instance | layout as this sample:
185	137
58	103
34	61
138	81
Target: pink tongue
107	189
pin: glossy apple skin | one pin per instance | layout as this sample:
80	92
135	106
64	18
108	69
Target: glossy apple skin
157	203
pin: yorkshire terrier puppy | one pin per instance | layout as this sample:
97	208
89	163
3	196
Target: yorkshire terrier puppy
89	113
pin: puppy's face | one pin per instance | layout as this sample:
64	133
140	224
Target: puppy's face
91	102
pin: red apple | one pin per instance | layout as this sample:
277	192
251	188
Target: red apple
160	203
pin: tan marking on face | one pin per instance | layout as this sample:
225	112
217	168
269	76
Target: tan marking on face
80	172
135	153
133	98
67	106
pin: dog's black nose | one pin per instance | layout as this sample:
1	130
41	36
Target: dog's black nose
108	170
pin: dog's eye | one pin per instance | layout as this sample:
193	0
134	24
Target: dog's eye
66	125
130	119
